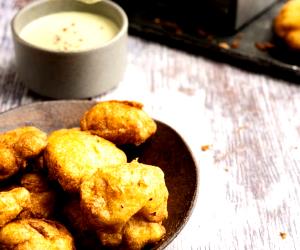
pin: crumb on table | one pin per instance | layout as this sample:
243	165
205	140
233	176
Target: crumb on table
283	235
205	147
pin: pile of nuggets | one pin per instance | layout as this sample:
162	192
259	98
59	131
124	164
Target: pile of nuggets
74	187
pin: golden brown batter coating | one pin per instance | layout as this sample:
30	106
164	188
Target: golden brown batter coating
9	162
287	24
138	232
75	217
41	206
42	197
85	236
109	239
72	155
35	234
12	203
35	182
17	146
156	208
122	122
113	195
134	235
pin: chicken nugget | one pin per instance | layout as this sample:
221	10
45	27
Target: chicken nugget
17	146
73	213
12	203
122	122
287	24
9	162
113	195
73	155
138	232
156	208
42	196
109	239
35	182
35	234
85	237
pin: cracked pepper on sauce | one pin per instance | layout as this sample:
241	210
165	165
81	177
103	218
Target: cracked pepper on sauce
69	31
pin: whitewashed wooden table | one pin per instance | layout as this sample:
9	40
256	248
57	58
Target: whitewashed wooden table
249	192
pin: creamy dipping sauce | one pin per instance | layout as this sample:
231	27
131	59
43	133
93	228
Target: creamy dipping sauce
69	31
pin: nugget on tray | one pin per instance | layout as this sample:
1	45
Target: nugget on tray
113	195
42	196
12	203
122	122
17	146
72	155
35	234
287	24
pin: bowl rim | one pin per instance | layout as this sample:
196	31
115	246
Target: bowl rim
122	31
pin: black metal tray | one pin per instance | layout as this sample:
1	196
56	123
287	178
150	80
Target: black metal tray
239	49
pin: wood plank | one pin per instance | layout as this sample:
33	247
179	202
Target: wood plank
250	174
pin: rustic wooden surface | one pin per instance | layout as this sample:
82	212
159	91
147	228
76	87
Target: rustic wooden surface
250	170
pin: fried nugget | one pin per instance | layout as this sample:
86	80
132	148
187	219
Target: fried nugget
72	211
122	122
42	196
287	24
35	182
109	239
113	195
138	232
73	155
9	162
156	208
12	203
17	146
35	234
85	237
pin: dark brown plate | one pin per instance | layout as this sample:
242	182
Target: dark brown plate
165	149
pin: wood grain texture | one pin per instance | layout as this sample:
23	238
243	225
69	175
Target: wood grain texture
250	172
